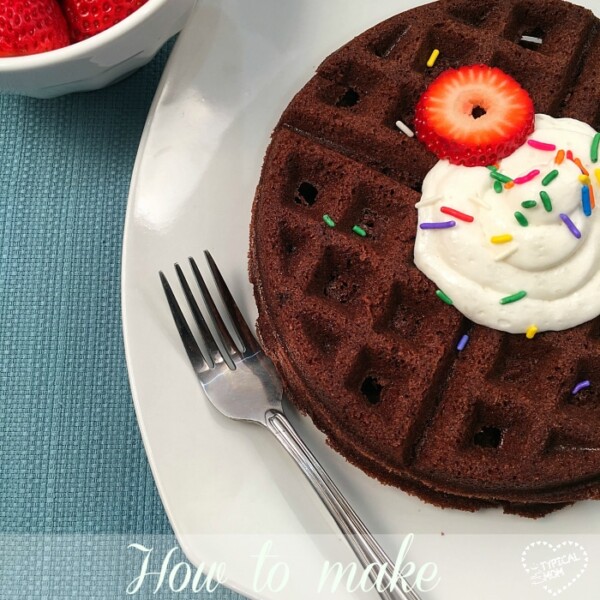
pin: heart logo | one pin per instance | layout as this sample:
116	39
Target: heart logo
554	567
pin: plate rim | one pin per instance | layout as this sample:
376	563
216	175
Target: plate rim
128	232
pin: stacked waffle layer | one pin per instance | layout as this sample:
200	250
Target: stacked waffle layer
362	342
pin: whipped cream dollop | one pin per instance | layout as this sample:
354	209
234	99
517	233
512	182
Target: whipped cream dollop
517	265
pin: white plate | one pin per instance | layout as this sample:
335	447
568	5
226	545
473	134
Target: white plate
227	487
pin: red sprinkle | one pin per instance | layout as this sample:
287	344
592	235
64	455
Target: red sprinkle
541	145
456	213
528	177
569	154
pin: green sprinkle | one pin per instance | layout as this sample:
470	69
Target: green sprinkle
546	201
521	219
498	187
329	220
492	167
550	177
499	177
443	297
594	150
359	230
513	298
529	204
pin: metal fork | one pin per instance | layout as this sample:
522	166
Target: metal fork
241	382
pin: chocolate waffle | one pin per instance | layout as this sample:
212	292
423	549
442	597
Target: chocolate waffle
356	331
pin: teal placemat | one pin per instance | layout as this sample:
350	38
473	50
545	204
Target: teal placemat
75	487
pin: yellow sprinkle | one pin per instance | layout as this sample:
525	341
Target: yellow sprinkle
585	179
433	58
501	239
531	331
597	174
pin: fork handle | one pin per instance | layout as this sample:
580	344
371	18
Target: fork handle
360	539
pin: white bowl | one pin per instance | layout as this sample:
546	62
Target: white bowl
100	60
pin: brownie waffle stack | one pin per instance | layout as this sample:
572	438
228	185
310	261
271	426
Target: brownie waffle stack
362	342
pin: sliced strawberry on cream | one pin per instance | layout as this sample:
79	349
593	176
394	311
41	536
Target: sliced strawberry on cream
474	115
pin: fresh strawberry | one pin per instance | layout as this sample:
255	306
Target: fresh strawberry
474	115
89	17
31	26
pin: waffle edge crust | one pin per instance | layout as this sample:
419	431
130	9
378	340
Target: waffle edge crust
361	341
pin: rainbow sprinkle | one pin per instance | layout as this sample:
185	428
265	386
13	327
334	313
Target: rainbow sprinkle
594	148
525	178
529	204
439	225
521	219
546	201
550	177
359	231
581	386
498	187
427	201
541	145
531	331
580	165
560	157
572	227
329	220
532	39
503	238
404	128
513	297
592	196
477	199
500	177
462	343
433	58
456	213
585	201
585	179
443	297
508	251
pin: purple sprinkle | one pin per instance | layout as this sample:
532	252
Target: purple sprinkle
572	228
581	386
463	342
439	225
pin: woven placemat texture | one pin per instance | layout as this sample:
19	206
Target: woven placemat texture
75	486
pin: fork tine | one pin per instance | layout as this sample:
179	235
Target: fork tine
213	312
189	342
241	326
213	349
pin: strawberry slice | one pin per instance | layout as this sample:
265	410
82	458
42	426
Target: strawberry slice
31	26
474	115
89	17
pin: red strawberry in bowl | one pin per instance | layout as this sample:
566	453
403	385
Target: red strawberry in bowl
89	17
474	115
31	26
